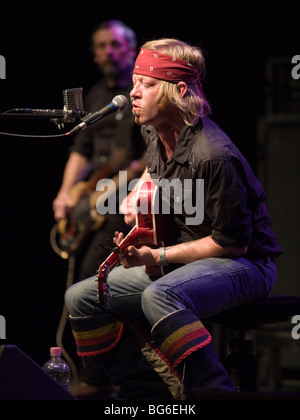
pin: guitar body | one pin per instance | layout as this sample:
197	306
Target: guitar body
70	234
151	229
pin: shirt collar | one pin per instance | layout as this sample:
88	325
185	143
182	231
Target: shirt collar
185	142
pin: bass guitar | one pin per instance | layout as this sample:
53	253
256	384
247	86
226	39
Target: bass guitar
69	235
154	230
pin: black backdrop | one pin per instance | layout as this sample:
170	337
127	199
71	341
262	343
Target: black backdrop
46	47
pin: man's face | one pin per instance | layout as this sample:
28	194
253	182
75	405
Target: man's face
145	102
112	53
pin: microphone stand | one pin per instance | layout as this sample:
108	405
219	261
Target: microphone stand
33	114
73	109
57	116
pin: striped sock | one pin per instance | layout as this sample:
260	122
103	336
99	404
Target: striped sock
96	335
179	334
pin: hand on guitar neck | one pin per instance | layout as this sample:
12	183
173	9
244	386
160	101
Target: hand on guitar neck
132	256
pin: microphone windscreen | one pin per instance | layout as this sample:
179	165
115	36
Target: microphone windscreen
120	102
73	100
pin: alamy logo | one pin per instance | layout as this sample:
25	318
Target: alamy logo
2	67
296	69
2	328
187	198
296	329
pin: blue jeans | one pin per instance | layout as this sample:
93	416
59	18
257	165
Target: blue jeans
206	287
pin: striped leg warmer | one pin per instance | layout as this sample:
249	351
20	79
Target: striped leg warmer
96	335
179	334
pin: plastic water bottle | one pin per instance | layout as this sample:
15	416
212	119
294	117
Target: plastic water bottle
58	368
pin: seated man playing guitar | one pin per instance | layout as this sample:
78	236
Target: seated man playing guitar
224	260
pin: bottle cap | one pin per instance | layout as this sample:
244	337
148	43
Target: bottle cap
55	351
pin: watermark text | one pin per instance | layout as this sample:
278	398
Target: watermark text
296	68
2	67
296	329
2	328
179	198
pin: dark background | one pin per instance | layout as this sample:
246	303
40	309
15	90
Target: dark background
46	47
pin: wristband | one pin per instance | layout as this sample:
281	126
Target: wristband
162	256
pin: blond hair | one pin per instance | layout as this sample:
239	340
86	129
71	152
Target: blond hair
193	105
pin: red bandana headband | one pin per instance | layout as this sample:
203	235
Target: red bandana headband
165	67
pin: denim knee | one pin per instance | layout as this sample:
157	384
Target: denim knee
71	300
81	299
157	302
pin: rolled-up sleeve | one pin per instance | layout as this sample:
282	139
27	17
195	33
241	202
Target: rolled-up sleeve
226	203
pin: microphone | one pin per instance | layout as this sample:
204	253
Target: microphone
119	103
73	104
73	109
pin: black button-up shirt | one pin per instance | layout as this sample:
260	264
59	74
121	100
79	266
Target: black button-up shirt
229	202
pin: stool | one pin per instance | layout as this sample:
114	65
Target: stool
241	364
